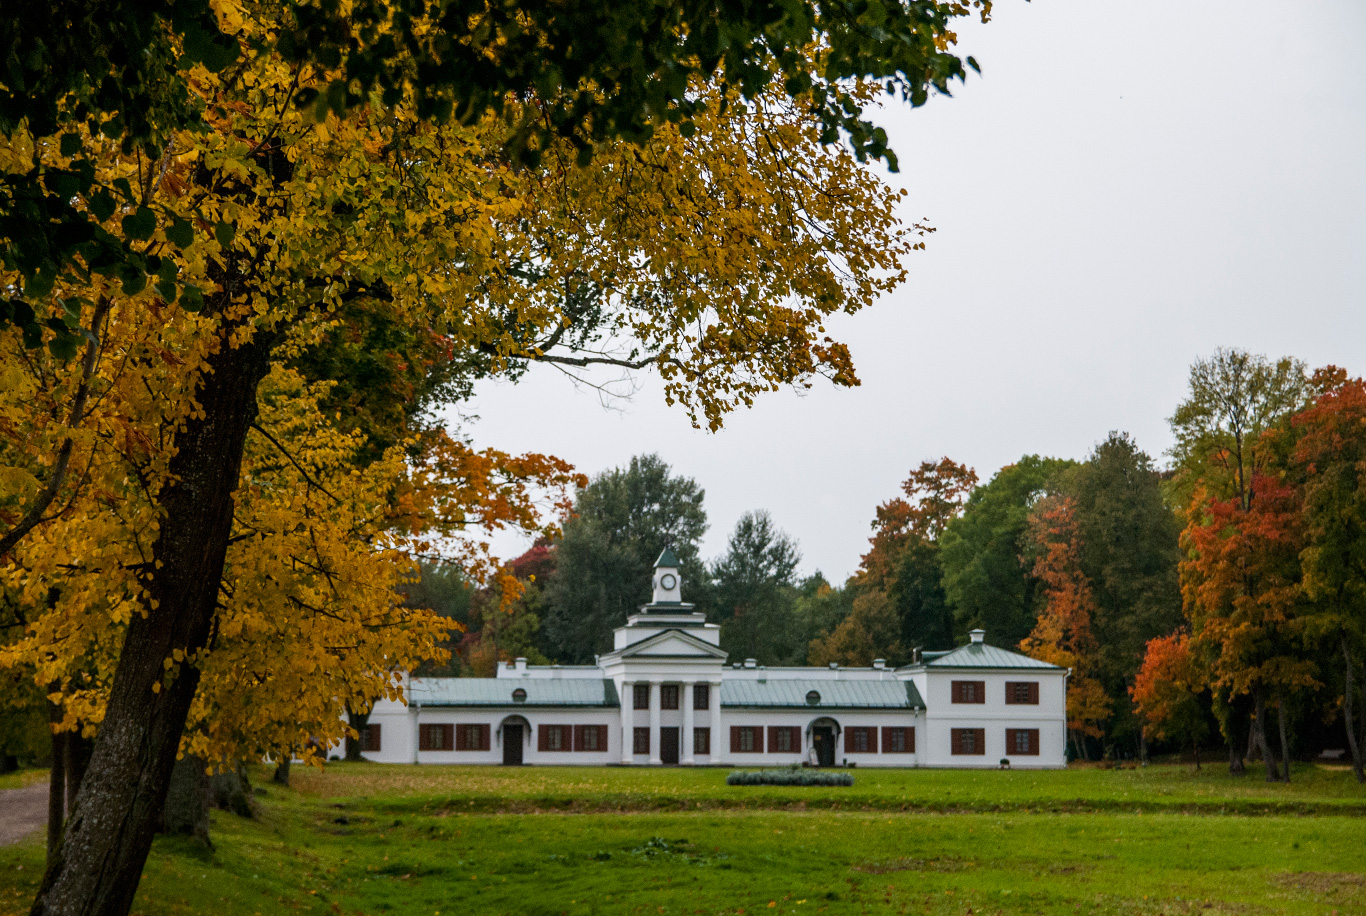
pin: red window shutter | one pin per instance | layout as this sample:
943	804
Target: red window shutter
956	741
543	738
447	736
887	743
848	740
735	739
578	737
872	740
796	738
981	740
370	740
1034	693
462	738
602	737
484	737
1034	736
424	738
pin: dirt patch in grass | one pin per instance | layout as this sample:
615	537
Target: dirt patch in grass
1323	883
937	864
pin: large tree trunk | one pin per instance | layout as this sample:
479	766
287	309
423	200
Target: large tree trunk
56	791
1273	772
186	811
78	750
281	775
358	721
1348	720
98	864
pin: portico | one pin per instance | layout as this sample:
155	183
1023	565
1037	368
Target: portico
667	658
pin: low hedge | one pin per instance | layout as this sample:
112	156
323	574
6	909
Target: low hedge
788	777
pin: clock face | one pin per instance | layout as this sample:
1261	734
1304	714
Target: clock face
668	581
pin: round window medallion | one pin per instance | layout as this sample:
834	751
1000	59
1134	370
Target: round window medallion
667	581
519	695
813	697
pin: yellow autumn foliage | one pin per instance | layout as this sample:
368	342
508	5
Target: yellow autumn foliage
714	257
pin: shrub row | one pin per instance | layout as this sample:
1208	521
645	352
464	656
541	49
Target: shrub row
788	777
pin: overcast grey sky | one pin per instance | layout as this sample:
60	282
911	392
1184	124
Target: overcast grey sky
1129	184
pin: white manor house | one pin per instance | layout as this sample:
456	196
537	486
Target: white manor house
666	694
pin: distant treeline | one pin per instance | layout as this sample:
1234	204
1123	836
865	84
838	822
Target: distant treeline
1221	595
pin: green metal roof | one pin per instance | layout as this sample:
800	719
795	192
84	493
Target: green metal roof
497	691
667	557
791	693
981	655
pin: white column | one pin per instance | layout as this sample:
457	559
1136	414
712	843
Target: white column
416	710
628	718
654	722
718	741
686	687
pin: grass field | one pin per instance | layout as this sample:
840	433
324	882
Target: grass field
370	839
21	778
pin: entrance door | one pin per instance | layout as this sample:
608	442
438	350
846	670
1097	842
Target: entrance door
512	745
668	745
823	737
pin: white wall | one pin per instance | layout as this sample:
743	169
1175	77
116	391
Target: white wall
994	716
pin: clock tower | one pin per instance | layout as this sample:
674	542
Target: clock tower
667	584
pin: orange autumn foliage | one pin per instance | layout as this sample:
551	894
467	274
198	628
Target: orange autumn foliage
1240	583
1167	687
1062	635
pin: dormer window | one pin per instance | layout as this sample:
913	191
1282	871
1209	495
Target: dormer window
519	695
813	698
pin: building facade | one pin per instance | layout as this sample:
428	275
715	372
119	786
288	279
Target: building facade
667	694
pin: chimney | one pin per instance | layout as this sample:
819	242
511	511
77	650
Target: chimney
520	663
834	665
751	662
879	663
915	656
977	636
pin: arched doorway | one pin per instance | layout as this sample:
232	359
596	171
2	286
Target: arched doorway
514	732
823	734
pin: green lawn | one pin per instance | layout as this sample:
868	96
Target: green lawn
377	840
21	778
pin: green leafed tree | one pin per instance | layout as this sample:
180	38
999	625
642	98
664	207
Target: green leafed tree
1234	397
754	593
980	551
622	520
1129	550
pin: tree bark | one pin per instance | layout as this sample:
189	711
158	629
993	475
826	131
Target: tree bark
56	791
230	790
1285	745
77	759
281	776
1273	772
354	746
98	864
186	810
1348	720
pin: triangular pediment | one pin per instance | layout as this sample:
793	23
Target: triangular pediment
671	644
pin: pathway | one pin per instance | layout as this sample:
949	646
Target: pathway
22	811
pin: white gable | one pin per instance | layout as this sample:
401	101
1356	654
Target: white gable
672	643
